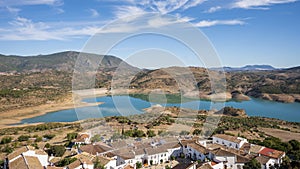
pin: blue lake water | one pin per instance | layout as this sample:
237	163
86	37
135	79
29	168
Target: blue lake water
126	105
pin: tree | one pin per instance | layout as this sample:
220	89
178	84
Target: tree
57	150
7	149
138	165
161	161
196	132
6	140
253	164
38	139
71	136
172	157
167	167
23	138
49	136
151	133
47	145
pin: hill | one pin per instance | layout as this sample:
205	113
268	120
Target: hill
36	80
62	61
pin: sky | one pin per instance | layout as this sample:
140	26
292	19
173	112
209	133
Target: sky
242	32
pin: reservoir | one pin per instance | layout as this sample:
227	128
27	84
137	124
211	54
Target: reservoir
127	105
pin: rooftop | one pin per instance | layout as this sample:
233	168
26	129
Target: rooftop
262	159
94	149
228	138
33	162
18	163
271	153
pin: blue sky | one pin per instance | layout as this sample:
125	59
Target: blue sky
242	31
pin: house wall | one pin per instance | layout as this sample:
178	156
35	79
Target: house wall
218	166
230	144
192	153
157	157
174	152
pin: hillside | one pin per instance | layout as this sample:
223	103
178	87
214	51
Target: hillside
36	80
278	85
63	61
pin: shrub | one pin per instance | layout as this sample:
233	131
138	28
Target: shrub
6	140
23	138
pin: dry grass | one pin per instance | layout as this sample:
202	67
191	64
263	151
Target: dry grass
282	134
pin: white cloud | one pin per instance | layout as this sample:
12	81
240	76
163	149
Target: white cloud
30	2
258	4
209	23
12	10
59	10
94	13
165	7
214	9
193	3
128	11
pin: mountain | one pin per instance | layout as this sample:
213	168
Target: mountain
62	61
247	68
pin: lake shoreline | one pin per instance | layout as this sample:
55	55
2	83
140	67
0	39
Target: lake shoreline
12	117
76	100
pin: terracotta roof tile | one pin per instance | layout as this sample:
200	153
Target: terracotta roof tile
262	159
33	162
18	163
74	165
94	149
271	153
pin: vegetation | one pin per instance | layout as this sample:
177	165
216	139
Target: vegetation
23	138
57	150
134	133
71	136
49	136
196	132
253	164
39	127
151	133
138	165
292	148
6	140
66	161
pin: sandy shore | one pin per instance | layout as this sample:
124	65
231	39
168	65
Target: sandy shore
15	116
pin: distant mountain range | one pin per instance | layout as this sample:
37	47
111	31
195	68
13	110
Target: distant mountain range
247	68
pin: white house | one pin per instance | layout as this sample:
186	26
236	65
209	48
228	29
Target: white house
229	141
83	138
194	151
265	162
25	157
274	155
230	160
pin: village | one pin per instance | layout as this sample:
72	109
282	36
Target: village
179	152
